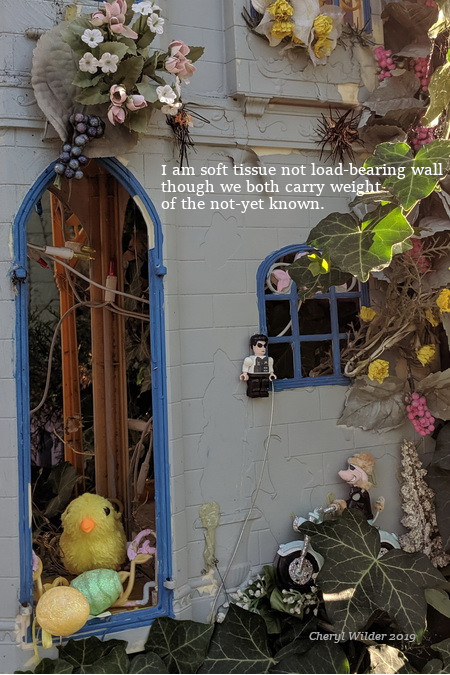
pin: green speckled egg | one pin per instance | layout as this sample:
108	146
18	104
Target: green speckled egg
101	588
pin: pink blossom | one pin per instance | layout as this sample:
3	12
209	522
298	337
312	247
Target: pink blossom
117	94
136	102
115	17
283	280
179	47
116	114
180	65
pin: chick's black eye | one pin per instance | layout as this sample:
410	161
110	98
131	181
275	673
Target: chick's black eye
107	511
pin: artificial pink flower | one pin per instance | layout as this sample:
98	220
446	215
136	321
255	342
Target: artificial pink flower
283	279
180	65
136	102
179	47
117	94
116	114
115	17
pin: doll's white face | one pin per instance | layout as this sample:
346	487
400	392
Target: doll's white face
260	348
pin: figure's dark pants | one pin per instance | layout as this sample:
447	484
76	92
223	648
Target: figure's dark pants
258	385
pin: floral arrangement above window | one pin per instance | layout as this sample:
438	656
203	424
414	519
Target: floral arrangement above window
107	68
300	23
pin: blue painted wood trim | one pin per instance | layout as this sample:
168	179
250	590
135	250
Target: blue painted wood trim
157	270
295	339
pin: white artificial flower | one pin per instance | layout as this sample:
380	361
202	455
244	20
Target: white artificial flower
145	7
166	94
92	37
171	109
88	63
156	23
108	62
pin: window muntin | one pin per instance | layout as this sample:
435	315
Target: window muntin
303	335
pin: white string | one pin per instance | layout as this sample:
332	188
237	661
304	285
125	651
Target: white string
255	497
82	276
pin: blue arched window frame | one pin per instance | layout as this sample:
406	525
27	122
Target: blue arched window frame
295	339
123	620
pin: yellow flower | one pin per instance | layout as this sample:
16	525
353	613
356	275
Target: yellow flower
323	47
282	29
429	314
426	354
323	25
443	300
367	314
281	10
379	370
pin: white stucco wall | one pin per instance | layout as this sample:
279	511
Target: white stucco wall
216	433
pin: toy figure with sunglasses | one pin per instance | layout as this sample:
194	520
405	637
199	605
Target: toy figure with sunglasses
257	370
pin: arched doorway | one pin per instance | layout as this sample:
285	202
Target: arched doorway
112	432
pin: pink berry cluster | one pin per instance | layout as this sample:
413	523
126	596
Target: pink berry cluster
385	62
422	136
422	262
421	418
421	69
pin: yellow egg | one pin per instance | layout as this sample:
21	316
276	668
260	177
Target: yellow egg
62	610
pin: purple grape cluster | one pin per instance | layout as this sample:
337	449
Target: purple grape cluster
421	418
84	129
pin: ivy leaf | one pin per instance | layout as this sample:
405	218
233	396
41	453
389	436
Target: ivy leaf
239	644
195	53
117	48
434	666
355	582
182	645
387	660
439	600
444	650
436	389
116	661
420	177
129	71
360	247
370	405
92	96
294	637
62	480
324	657
439	90
438	479
84	80
308	284
147	663
87	652
53	666
148	91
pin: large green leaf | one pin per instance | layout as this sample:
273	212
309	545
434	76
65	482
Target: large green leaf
92	95
294	637
436	666
439	90
323	657
148	91
129	71
420	173
387	660
309	284
182	645
147	663
73	32
117	48
438	478
62	480
138	121
361	247
438	599
370	405
239	645
53	666
91	655
83	80
355	582
195	53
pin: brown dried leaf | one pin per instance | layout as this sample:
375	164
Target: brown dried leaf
396	94
436	389
370	405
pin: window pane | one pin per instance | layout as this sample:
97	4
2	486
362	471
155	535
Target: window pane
316	358
348	310
278	318
314	317
283	362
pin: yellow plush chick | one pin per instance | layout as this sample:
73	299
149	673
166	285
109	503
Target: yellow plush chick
93	535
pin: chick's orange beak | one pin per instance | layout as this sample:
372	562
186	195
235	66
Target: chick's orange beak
87	525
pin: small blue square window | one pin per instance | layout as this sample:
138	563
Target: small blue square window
305	338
